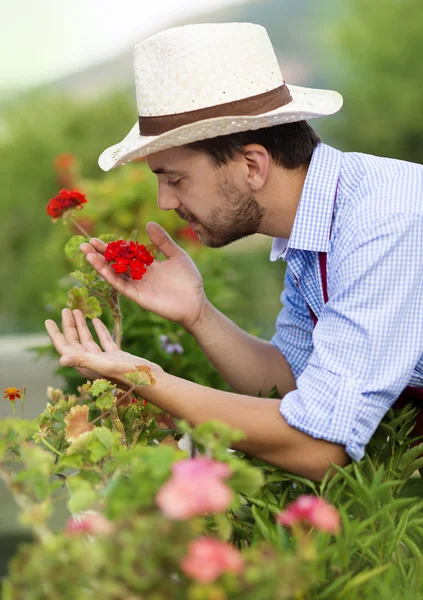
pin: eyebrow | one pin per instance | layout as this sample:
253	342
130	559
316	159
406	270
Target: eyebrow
164	171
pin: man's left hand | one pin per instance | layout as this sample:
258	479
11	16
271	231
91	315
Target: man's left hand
78	349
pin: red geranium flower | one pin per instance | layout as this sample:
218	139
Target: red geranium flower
63	202
130	258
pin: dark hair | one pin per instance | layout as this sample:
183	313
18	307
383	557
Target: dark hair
290	145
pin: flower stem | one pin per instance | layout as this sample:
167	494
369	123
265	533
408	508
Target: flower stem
23	401
131	389
80	228
117	318
46	443
106	412
118	424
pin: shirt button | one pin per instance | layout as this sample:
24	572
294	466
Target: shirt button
351	384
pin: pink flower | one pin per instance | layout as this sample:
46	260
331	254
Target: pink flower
195	488
208	558
183	498
91	522
312	510
201	467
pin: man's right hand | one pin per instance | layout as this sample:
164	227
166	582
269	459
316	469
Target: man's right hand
171	288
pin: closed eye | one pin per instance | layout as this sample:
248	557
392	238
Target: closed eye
173	183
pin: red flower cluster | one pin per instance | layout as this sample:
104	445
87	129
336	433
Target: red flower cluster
127	256
64	201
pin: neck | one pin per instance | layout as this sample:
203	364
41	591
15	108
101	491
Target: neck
281	198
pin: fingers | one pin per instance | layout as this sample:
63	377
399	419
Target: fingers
58	339
104	336
68	327
84	334
76	336
95	245
163	241
82	361
96	260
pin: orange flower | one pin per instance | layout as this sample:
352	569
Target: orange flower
12	393
64	161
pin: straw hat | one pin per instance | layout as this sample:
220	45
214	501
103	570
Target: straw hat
201	81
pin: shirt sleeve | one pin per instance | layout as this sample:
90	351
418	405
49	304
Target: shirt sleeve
369	336
294	327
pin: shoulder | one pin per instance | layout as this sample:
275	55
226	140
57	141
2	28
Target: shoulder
373	189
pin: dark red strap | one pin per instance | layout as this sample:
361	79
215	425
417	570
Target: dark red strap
323	274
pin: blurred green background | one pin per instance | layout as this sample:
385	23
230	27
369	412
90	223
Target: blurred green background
369	50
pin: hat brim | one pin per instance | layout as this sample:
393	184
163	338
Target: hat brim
306	103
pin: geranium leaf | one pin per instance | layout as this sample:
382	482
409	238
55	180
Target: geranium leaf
88	305
72	246
141	375
77	422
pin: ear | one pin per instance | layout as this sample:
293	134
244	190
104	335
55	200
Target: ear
257	160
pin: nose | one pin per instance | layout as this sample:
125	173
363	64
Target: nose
166	200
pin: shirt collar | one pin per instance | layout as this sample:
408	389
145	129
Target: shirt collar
313	219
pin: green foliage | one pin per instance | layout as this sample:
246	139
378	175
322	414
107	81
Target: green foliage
378	551
72	246
378	48
120	201
78	298
36	129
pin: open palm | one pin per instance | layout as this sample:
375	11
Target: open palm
88	358
172	288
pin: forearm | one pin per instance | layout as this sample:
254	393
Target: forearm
268	435
248	363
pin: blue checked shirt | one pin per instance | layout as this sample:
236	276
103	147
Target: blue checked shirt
368	343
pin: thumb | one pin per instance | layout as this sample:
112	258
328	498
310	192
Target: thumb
80	361
162	240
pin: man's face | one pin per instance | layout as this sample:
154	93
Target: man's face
216	203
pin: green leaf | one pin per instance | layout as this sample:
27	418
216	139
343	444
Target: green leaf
37	458
91	476
78	298
413	466
266	528
411	455
72	247
74	461
224	526
363	577
140	375
327	593
105	436
108	237
245	479
412	546
100	386
82	494
105	401
84	278
100	443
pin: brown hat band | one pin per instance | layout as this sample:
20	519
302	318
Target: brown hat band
254	105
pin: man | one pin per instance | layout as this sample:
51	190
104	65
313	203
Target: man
234	156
